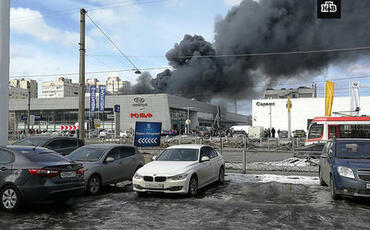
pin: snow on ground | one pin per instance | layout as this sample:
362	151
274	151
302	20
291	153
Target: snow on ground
289	165
268	178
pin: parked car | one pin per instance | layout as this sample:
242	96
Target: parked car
299	133
36	174
180	169
345	167
62	145
106	133
240	133
107	164
124	134
283	134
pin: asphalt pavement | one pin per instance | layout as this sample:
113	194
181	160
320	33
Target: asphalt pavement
243	202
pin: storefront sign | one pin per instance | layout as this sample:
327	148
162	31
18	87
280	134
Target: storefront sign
263	104
140	115
92	98
139	101
102	92
117	108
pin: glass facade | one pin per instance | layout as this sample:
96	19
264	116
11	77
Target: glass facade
53	119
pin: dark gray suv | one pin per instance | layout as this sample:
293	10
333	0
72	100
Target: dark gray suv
62	145
36	174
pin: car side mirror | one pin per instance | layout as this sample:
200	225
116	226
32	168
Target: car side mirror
154	158
109	160
330	154
204	159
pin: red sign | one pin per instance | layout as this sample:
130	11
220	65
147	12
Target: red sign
141	115
68	127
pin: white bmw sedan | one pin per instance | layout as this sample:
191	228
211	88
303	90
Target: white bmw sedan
180	169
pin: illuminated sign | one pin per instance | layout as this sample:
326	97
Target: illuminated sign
140	115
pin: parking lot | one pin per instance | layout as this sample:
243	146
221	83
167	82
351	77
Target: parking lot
244	201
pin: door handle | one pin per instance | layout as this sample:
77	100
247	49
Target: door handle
3	169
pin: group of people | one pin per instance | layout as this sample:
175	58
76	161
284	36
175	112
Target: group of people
272	132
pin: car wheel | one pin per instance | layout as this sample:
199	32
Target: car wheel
221	175
322	182
333	192
94	185
193	186
10	198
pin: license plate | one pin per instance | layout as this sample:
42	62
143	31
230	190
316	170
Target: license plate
68	174
154	185
367	186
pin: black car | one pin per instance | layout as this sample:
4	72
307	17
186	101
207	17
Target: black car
62	145
36	174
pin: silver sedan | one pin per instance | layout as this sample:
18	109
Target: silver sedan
107	164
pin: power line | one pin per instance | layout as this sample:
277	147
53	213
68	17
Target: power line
251	54
114	44
92	72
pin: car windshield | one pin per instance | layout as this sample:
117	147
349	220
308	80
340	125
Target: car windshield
353	150
33	141
179	155
86	154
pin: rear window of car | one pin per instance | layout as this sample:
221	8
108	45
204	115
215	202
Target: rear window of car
44	157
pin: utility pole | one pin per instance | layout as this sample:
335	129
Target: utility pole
28	107
4	69
81	92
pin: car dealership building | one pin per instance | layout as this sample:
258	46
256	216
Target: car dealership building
171	111
303	111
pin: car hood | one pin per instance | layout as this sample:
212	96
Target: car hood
354	163
166	168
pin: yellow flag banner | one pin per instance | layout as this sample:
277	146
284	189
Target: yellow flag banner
329	97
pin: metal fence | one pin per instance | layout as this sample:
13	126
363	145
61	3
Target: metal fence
240	153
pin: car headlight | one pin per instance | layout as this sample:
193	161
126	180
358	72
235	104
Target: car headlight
346	172
137	176
178	177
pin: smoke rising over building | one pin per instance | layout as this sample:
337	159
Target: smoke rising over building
204	70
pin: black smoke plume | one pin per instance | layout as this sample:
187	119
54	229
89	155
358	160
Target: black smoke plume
261	27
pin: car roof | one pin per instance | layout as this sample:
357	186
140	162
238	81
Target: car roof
188	146
350	139
106	146
49	137
20	148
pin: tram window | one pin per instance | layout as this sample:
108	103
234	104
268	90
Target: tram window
354	131
332	131
316	131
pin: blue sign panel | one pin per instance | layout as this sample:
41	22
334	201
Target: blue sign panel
37	117
117	108
92	98
102	91
147	134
